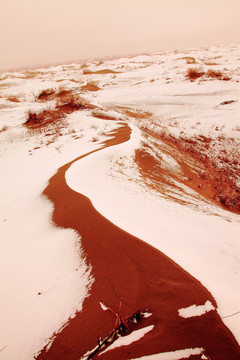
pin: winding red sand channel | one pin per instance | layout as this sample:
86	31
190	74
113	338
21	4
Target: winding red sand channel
124	266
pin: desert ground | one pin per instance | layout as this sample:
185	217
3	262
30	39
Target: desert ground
120	204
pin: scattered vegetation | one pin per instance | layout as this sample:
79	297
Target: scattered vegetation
41	118
221	168
195	73
50	94
73	102
62	91
67	102
46	94
215	74
32	117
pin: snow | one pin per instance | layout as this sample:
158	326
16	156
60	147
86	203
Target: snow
129	339
44	276
173	355
146	314
104	308
196	310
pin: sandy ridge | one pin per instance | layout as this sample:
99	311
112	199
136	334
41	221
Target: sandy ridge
124	266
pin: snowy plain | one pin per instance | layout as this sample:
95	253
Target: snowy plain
44	278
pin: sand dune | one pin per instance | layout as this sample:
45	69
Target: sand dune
143	207
126	268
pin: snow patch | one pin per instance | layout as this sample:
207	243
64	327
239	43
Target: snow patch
129	339
196	310
104	308
146	314
173	355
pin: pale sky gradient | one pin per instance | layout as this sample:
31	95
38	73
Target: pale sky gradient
36	32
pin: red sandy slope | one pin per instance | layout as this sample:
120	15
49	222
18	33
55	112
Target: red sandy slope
124	266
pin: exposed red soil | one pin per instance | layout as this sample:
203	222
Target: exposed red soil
124	266
50	94
99	115
90	87
136	114
192	174
218	185
13	99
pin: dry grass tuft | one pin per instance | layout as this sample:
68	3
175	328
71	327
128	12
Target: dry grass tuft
217	74
194	73
62	91
50	94
32	118
73	102
41	118
67	103
46	94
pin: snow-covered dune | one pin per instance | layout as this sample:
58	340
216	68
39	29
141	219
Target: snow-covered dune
204	241
172	101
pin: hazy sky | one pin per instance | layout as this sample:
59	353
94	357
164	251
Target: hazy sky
46	31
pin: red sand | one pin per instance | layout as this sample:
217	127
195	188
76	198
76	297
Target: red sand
124	266
90	87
